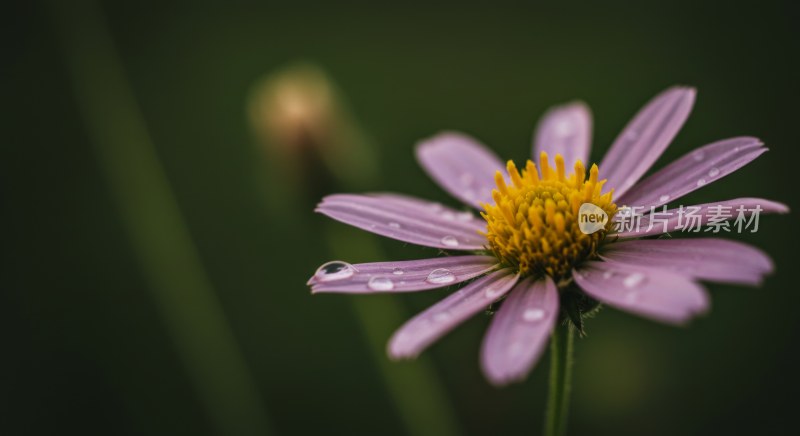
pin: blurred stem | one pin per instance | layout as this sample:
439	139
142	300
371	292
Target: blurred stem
414	387
307	130
560	385
180	287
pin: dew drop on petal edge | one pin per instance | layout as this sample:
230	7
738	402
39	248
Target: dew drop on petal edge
334	270
450	241
464	216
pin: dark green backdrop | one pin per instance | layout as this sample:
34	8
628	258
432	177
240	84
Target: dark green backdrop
86	349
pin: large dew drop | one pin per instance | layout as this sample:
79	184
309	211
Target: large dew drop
334	270
380	284
441	276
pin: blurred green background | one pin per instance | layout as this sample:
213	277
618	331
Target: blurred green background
90	347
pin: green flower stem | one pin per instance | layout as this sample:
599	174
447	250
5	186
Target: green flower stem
179	286
560	385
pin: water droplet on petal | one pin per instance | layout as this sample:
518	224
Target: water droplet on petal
608	274
441	276
442	317
334	270
713	172
634	280
492	292
564	127
394	225
398	271
534	314
464	216
380	284
701	182
663	198
402	337
699	155
450	216
450	241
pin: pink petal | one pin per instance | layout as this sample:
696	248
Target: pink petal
424	329
404	276
645	137
461	165
713	259
708	163
406	219
658	294
673	218
520	330
566	130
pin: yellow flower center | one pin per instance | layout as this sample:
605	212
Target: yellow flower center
533	223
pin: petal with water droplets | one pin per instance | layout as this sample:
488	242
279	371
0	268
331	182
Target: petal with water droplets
709	163
673	220
657	294
647	135
519	330
565	130
406	219
713	259
461	165
410	275
424	329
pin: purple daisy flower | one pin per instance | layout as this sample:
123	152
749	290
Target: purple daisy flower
528	247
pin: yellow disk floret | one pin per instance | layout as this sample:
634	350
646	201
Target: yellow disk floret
533	223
